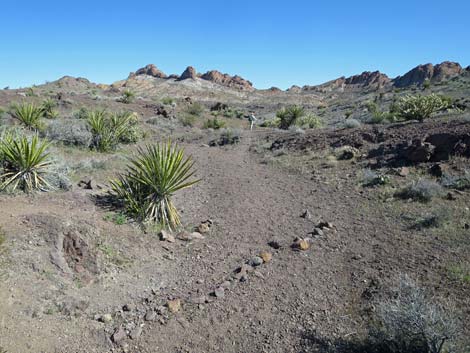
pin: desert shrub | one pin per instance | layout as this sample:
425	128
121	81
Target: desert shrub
371	178
69	132
310	121
214	123
461	182
422	190
420	107
435	219
227	137
82	113
288	116
28	114
151	179
127	97
410	322
274	123
187	120
25	163
167	100
57	176
195	109
351	124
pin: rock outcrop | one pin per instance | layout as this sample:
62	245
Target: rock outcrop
374	79
422	73
189	73
227	80
150	70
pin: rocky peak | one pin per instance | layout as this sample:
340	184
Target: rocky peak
227	80
190	72
446	70
150	70
421	73
367	78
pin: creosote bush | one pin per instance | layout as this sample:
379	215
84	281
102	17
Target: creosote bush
289	116
151	179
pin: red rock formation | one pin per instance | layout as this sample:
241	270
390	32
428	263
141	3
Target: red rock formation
150	70
190	72
227	80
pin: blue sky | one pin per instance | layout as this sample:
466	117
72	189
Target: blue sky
271	43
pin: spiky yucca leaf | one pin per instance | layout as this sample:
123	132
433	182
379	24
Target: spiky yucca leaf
28	114
25	163
151	179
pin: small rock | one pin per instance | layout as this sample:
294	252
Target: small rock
184	235
174	305
150	315
203	228
318	231
301	244
219	292
118	335
196	235
255	261
306	215
106	318
403	172
128	307
266	256
466	226
166	236
199	300
451	197
135	333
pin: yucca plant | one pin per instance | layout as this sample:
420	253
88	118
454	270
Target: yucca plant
127	96
48	109
25	163
151	179
289	116
28	114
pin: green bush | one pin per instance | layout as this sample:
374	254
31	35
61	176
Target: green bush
167	101
195	109
25	163
288	116
127	97
214	123
28	114
151	179
274	123
187	120
420	107
310	121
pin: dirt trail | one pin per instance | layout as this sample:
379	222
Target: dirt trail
251	204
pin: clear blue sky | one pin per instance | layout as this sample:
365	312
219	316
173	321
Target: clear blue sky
272	43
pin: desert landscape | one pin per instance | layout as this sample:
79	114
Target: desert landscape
145	215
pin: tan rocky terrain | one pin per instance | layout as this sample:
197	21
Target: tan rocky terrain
290	242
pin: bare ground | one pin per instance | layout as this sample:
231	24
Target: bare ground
326	291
